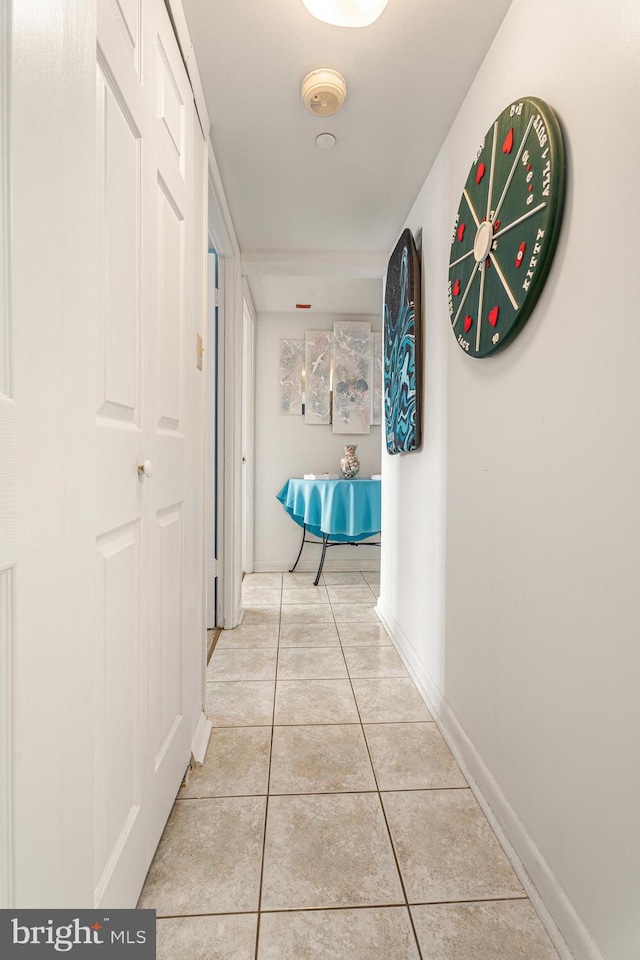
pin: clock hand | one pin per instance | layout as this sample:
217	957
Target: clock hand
460	259
513	168
525	216
464	297
480	299
504	282
473	213
493	167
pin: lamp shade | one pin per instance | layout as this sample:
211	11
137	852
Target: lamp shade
346	13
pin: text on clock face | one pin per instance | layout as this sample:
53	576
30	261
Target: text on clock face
533	263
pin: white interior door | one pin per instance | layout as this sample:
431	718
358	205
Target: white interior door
148	413
8	487
212	471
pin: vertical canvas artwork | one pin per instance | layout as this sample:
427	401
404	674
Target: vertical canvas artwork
402	348
318	345
352	375
377	394
290	376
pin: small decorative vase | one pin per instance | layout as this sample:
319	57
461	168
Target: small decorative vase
350	463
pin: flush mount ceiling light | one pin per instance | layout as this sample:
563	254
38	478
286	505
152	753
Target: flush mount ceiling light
346	13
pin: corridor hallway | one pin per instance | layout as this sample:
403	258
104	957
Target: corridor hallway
374	845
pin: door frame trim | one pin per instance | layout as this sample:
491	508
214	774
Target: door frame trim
9	532
229	396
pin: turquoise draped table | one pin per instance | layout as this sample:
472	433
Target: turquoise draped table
335	511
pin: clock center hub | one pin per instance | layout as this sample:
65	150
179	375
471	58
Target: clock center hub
483	241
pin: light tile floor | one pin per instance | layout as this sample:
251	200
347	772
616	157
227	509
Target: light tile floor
329	820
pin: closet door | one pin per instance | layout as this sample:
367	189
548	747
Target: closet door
146	137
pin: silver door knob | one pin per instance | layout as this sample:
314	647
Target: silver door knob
145	469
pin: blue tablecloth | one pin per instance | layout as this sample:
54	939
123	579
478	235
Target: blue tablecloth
343	509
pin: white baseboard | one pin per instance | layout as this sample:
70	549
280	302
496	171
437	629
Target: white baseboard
311	566
566	929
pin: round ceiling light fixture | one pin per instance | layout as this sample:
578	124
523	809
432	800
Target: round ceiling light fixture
346	13
326	141
324	92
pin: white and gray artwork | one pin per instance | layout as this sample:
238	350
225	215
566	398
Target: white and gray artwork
352	376
318	376
290	376
377	394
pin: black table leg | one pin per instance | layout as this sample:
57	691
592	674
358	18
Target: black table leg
325	537
304	530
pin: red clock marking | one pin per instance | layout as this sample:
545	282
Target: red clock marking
528	167
487	262
468	321
530	187
493	316
480	172
460	233
507	146
520	254
456	288
496	226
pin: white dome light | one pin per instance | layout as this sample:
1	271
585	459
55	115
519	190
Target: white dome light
346	13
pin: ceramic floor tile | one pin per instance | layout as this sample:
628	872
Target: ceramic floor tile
208	859
225	937
236	764
297	579
307	613
240	704
328	851
351	578
309	635
328	758
383	934
372	578
349	594
503	930
389	701
363	635
446	849
259	596
411	756
355	612
305	595
315	701
242	665
259	614
365	662
308	663
249	637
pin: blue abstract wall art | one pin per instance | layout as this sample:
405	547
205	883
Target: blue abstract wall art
403	348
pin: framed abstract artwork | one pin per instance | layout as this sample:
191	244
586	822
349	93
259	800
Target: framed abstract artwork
318	346
352	376
290	356
403	348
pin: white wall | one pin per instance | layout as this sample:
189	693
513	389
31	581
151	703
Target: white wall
287	447
511	540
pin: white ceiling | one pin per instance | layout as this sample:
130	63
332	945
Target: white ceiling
407	75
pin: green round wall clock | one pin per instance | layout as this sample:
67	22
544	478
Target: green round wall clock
507	227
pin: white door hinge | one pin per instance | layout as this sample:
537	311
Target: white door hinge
214	568
216	297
